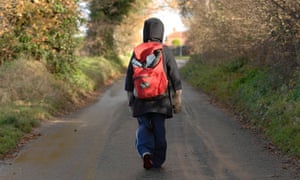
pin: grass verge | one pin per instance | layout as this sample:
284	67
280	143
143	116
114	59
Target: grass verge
29	94
257	95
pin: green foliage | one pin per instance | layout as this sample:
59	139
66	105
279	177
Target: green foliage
29	93
111	11
295	95
98	70
183	57
9	136
235	65
19	119
257	95
176	42
15	121
40	29
212	78
105	16
91	72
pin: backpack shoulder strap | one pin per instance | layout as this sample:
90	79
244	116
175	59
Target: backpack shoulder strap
167	74
164	61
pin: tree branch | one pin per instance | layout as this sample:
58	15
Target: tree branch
293	14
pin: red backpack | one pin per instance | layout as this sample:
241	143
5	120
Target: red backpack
150	80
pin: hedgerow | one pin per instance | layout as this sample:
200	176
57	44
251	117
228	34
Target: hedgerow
40	29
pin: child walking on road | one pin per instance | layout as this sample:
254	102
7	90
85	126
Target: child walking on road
152	102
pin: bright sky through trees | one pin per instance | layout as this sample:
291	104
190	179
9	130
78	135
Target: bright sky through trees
170	17
171	20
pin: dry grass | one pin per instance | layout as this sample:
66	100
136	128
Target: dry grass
29	94
25	82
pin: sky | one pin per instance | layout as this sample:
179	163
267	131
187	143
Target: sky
171	20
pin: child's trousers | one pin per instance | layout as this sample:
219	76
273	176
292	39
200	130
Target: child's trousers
151	137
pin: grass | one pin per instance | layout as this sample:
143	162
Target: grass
268	104
183	57
29	94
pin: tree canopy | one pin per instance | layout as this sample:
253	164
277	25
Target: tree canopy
267	31
112	23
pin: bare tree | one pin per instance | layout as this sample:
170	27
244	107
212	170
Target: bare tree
267	31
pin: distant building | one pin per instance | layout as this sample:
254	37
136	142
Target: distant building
176	36
177	42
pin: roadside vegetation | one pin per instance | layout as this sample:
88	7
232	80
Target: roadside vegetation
30	94
256	97
246	53
46	69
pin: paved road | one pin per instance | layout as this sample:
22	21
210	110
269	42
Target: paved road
97	143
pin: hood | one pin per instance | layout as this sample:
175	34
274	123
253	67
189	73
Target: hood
153	30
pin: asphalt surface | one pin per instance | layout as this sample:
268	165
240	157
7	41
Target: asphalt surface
97	143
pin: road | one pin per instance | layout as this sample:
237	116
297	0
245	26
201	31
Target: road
97	143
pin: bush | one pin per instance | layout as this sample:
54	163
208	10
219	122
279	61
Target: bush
41	29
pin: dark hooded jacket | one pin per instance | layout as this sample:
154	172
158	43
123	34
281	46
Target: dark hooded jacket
154	31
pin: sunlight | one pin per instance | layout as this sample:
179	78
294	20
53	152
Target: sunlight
171	20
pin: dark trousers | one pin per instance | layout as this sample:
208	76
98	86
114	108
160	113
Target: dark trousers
151	137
